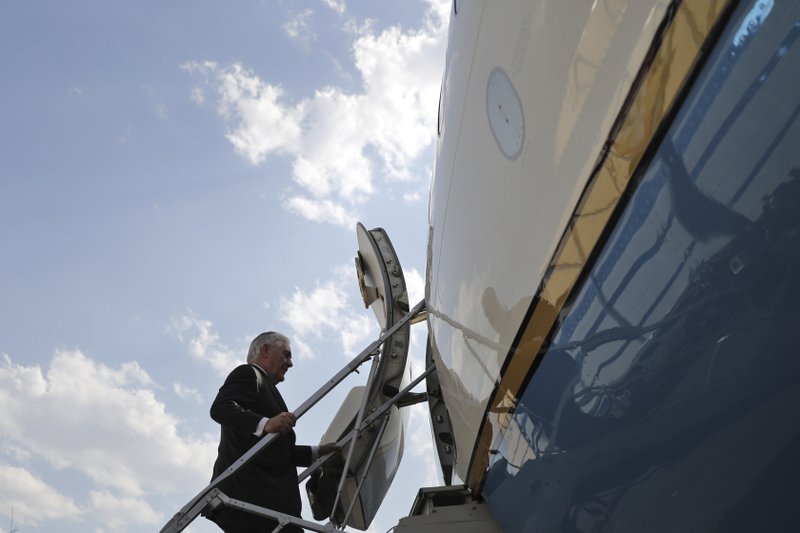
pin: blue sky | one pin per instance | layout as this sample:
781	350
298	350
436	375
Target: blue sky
176	177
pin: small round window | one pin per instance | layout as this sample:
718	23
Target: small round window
504	111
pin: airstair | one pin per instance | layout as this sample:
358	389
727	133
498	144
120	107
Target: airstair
341	496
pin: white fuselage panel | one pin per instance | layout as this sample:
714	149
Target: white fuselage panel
529	96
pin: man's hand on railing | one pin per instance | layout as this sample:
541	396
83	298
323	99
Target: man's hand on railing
280	423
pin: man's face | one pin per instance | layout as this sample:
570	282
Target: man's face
276	361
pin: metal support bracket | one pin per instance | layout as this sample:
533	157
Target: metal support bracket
219	498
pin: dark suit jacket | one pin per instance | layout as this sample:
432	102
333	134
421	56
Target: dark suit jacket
270	478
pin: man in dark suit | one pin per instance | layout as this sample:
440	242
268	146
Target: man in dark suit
248	406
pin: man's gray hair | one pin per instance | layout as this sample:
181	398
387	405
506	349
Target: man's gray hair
268	338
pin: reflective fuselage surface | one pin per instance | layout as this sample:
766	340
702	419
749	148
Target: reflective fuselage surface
495	221
663	390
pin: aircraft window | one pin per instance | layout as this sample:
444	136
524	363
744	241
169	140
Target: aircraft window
669	394
505	114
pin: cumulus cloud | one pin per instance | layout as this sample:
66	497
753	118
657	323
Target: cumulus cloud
333	308
264	122
204	343
118	512
187	393
326	310
401	73
339	140
321	211
33	500
111	430
356	332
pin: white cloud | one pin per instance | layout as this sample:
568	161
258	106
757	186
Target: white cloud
335	143
312	177
301	349
204	343
337	5
298	28
187	393
33	500
326	310
264	123
308	313
420	442
199	67
402	73
439	11
331	309
412	197
329	134
118	512
102	423
321	211
415	285
356	332
198	96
